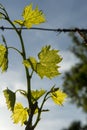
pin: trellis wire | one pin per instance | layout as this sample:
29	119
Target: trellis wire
48	29
59	30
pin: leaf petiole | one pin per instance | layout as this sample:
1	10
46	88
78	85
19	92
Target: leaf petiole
15	50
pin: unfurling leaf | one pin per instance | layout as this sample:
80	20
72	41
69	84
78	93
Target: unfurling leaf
3	58
36	94
31	17
10	98
48	62
58	96
20	114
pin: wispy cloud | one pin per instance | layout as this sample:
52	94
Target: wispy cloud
68	61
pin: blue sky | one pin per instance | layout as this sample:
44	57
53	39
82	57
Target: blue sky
59	14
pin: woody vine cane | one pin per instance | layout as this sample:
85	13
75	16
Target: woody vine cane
45	66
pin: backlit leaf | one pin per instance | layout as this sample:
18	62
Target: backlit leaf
36	94
3	58
48	62
20	114
58	96
10	98
31	17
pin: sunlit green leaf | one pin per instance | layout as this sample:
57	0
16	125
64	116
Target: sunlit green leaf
10	98
20	114
58	96
31	16
3	58
48	64
36	94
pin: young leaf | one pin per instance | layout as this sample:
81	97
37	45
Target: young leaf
10	98
31	17
20	114
58	96
36	94
3	58
48	62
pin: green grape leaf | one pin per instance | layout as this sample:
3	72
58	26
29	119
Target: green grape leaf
31	17
36	94
20	114
10	98
3	58
48	62
58	96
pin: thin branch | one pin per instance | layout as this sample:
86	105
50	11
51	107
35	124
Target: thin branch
15	50
48	29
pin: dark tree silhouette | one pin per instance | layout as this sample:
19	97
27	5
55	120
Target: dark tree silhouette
75	80
76	125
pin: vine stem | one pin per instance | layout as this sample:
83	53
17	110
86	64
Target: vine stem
28	77
40	109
